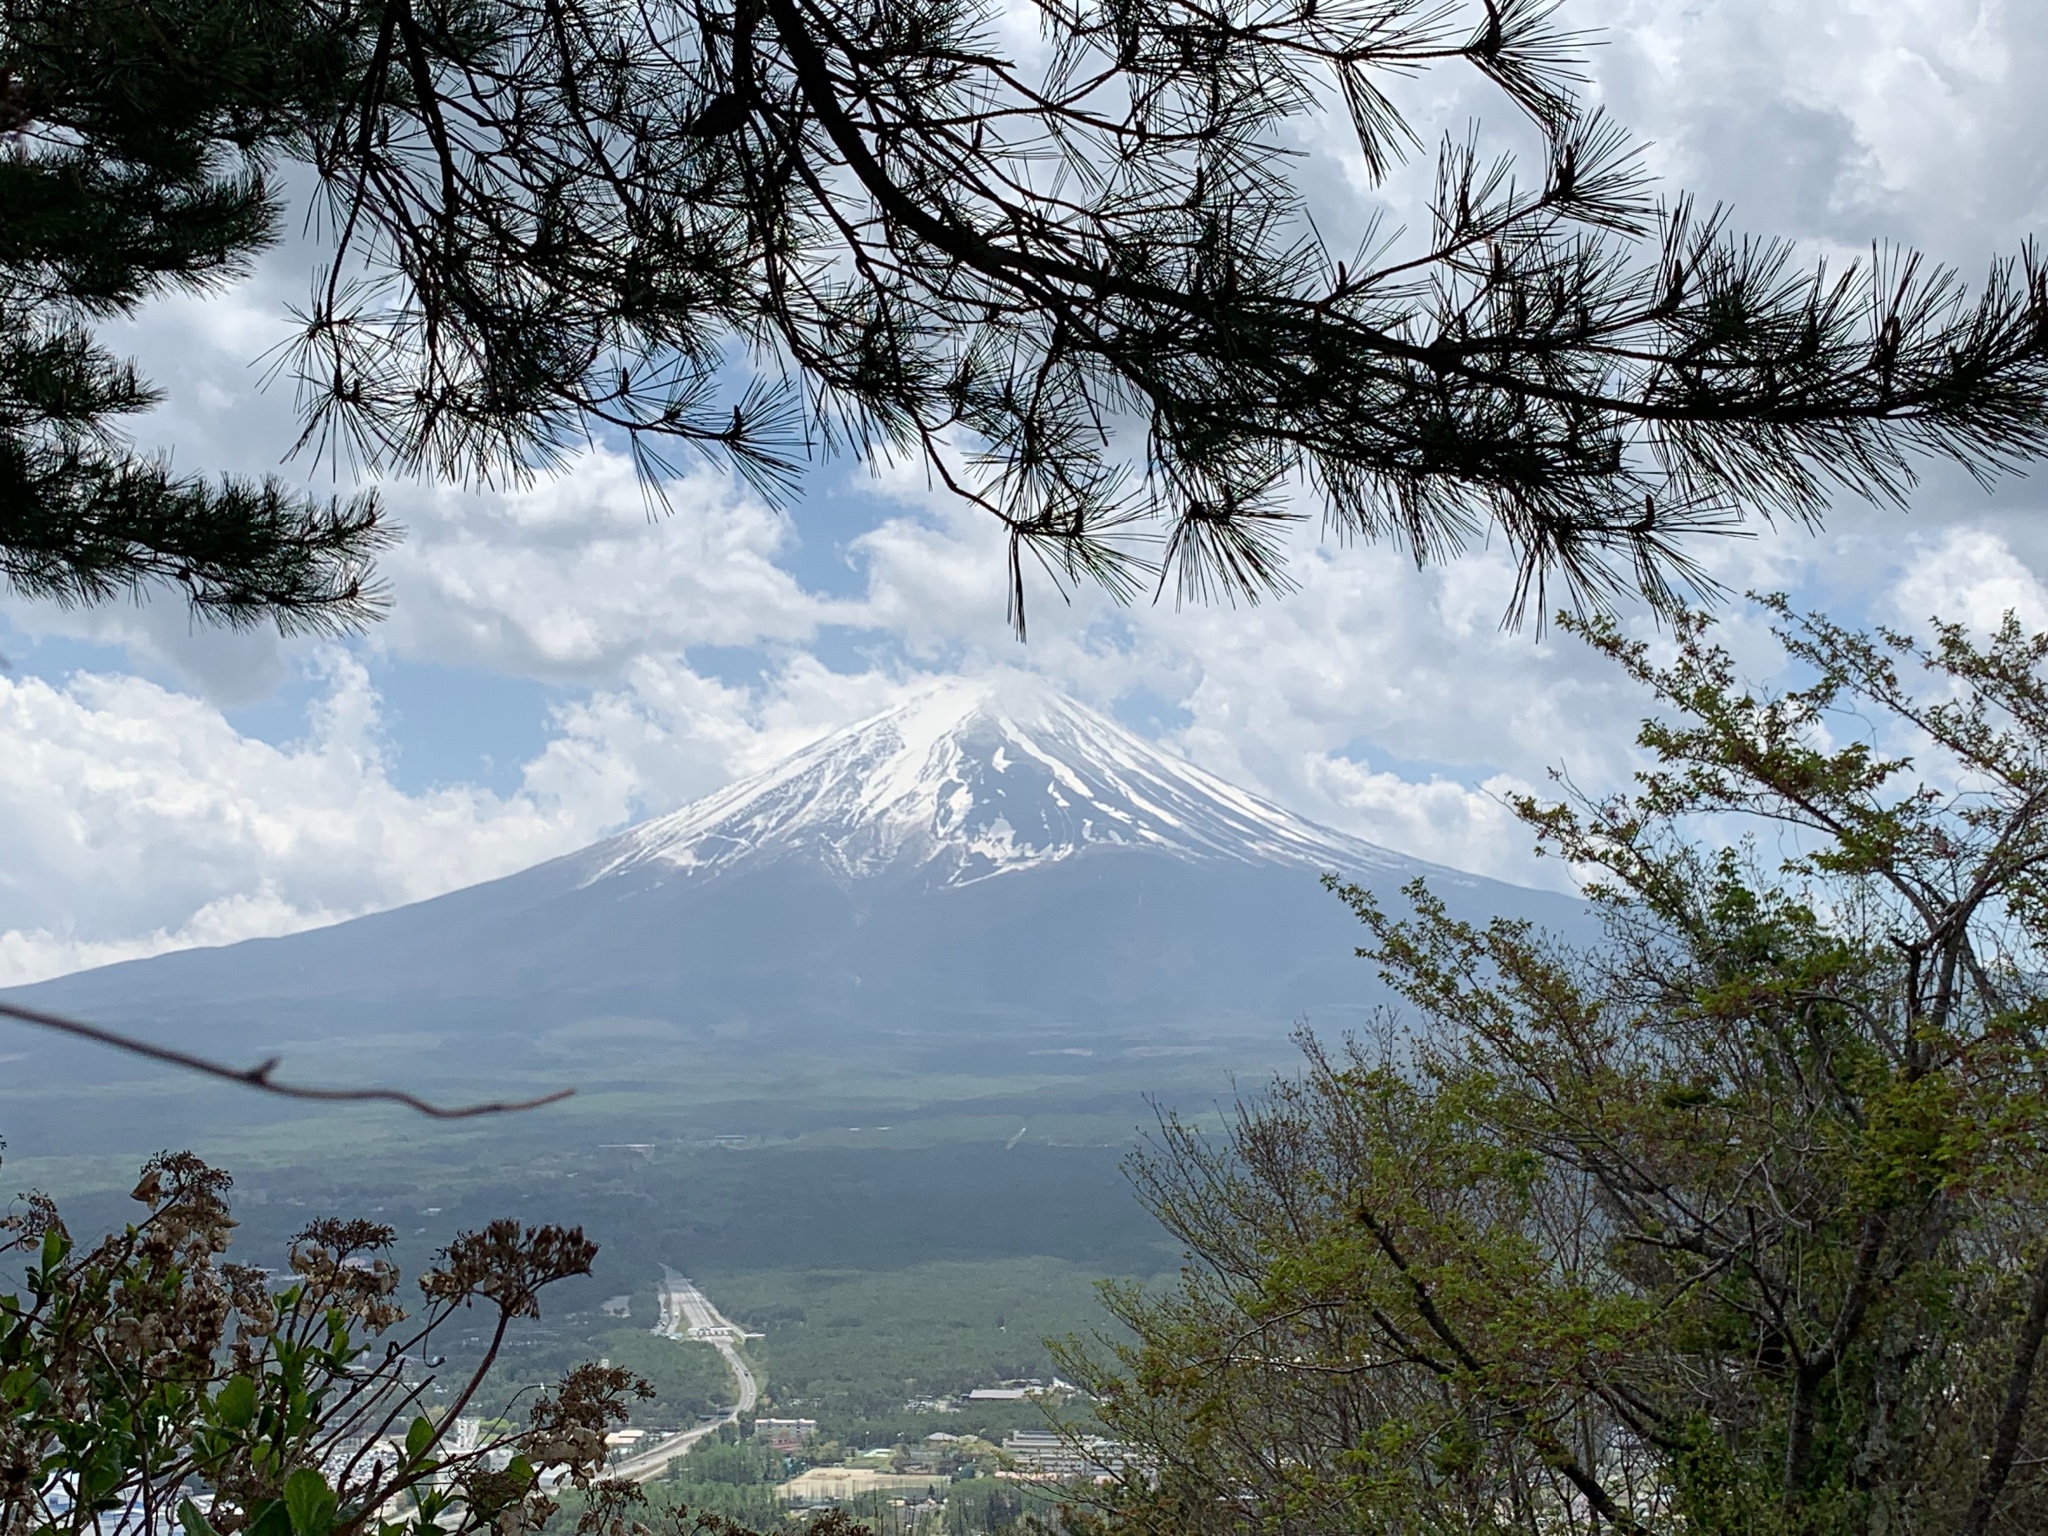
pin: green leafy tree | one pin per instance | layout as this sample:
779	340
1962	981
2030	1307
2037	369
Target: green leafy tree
139	133
1734	1222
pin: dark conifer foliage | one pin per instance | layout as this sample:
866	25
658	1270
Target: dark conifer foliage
1062	253
138	136
1080	275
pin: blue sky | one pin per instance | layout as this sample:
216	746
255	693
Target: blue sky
558	662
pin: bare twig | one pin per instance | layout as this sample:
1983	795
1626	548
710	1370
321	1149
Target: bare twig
259	1076
2005	1443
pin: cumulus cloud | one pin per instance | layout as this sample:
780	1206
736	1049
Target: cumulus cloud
1968	576
666	734
1839	120
134	818
581	572
1465	827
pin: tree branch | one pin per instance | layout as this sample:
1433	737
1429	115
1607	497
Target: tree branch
2005	1442
1546	1443
259	1076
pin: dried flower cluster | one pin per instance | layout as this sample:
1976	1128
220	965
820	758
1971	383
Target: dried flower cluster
147	1382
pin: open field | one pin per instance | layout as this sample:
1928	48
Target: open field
1086	1089
878	1272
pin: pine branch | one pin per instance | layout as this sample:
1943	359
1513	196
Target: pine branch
1099	283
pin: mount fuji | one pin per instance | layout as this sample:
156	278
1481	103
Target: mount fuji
988	871
972	781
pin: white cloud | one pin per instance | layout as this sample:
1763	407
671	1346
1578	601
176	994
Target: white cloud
33	954
134	818
666	734
1466	828
1840	120
578	574
1968	576
568	578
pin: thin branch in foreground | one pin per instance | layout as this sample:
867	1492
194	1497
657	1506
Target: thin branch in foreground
259	1076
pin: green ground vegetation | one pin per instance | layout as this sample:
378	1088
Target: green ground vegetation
985	1506
853	1349
690	1380
728	1476
736	1477
879	1275
857	1345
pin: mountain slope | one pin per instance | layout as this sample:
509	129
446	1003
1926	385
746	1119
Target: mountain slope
977	779
984	884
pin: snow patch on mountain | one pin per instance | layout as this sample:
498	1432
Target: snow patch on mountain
978	778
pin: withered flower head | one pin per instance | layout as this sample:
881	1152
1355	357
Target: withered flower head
345	1239
36	1215
508	1265
335	1259
249	1290
187	1198
569	1424
172	1176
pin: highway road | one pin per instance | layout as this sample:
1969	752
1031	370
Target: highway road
687	1315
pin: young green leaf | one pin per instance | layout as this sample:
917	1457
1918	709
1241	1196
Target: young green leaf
310	1502
234	1406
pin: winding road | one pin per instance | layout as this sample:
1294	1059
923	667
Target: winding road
687	1315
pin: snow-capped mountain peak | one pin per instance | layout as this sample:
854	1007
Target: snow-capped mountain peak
977	778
